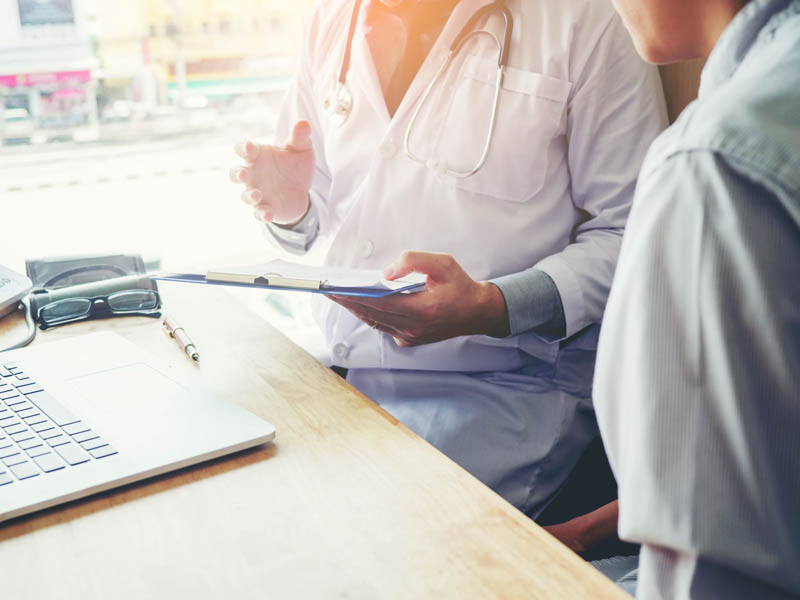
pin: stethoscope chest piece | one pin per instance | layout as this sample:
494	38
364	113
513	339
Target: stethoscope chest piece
338	104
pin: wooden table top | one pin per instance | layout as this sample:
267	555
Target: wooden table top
346	503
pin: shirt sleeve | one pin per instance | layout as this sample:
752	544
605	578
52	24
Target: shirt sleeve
533	303
298	104
298	238
696	388
616	110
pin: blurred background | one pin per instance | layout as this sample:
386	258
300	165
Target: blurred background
119	121
118	126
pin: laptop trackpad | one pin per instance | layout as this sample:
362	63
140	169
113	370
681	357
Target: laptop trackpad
123	397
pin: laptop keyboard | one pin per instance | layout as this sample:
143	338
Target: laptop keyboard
38	434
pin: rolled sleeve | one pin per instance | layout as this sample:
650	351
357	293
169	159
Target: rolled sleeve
298	238
533	303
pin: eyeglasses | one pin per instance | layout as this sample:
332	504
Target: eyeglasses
143	302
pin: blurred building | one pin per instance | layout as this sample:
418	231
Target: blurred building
46	66
185	51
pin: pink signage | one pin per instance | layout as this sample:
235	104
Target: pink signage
31	79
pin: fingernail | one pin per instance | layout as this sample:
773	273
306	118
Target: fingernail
388	272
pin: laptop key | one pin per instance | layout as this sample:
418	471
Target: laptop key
8	451
15	459
36	419
28	412
85	437
102	451
95	443
23	435
31	443
57	440
14	400
7	424
30	389
11	395
37	451
72	453
49	433
75	428
21	385
53	408
20	406
19	427
49	462
25	470
5	478
42	428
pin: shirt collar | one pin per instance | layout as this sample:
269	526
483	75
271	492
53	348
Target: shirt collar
736	41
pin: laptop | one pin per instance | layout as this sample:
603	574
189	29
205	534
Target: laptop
94	412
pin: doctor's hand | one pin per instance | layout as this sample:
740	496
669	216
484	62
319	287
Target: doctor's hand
277	178
451	305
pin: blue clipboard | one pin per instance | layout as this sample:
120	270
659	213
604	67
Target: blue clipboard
323	289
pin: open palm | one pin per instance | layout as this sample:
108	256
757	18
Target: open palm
277	178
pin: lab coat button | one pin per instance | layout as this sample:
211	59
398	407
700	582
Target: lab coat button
367	247
341	349
388	149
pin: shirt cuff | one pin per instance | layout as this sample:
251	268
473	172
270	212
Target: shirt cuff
533	303
300	236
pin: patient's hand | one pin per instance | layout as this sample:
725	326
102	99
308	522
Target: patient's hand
586	531
278	178
452	304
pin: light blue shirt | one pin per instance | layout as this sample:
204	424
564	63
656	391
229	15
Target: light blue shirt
697	387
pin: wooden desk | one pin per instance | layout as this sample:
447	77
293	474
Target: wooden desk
347	503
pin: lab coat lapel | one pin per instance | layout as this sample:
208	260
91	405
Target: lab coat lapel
365	76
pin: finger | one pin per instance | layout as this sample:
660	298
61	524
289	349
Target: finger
373	317
401	342
247	150
239	174
435	265
252	196
263	213
300	138
397	304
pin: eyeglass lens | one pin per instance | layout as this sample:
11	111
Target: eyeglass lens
133	300
74	308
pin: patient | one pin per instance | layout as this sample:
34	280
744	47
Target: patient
697	384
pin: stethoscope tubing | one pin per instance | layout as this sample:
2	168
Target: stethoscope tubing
341	102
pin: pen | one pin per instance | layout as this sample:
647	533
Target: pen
178	333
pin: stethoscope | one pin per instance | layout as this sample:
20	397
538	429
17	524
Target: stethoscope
339	103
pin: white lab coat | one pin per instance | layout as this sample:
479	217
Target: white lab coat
576	115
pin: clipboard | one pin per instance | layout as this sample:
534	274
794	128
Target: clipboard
286	276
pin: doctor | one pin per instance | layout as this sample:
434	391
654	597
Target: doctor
503	141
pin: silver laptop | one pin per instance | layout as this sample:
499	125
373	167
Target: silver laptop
95	412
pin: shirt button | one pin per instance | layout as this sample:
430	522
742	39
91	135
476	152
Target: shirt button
388	149
341	349
367	247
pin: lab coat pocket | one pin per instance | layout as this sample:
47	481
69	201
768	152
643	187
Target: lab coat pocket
531	114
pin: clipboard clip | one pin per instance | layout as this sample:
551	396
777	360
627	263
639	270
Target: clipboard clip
277	280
